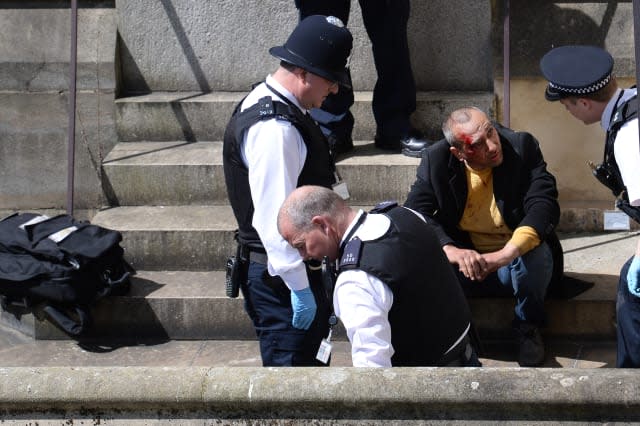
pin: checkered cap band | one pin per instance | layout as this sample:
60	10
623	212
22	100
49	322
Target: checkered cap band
582	90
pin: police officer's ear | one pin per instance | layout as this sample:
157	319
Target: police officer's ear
301	74
322	222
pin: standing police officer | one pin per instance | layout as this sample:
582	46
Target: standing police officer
394	95
581	78
272	146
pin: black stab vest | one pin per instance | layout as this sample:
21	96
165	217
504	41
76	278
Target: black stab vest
318	168
429	311
612	178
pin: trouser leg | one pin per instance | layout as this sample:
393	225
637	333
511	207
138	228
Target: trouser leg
394	95
529	277
268	304
628	323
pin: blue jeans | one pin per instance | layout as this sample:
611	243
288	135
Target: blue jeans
268	303
628	321
526	277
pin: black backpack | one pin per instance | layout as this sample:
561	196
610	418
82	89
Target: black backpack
58	267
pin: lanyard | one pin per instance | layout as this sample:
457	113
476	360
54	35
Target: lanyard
353	231
280	95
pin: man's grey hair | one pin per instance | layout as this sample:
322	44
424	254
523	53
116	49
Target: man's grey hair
317	201
457	117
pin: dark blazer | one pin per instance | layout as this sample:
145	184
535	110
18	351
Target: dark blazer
525	192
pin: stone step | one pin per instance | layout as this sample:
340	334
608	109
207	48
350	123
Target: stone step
179	173
165	173
190	238
192	305
183	305
201	237
198	116
18	350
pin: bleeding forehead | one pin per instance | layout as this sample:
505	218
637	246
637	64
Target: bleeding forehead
468	132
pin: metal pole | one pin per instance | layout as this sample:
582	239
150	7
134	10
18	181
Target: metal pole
506	58
72	106
636	42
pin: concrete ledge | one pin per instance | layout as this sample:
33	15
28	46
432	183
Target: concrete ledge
277	395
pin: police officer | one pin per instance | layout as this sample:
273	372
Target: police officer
581	78
396	294
394	94
271	146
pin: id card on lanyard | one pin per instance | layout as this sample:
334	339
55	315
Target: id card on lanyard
340	187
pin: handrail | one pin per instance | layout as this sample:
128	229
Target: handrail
506	59
72	106
636	42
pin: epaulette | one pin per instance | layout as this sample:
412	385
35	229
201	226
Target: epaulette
265	106
264	109
384	206
351	255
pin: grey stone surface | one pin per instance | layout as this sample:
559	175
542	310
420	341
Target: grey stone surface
35	48
343	394
34	148
34	102
195	116
224	45
165	173
536	27
173	237
192	305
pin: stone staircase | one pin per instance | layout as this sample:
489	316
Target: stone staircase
166	188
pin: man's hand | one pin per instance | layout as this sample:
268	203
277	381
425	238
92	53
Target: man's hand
633	283
471	263
304	308
497	259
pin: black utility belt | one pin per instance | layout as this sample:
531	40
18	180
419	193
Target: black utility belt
258	257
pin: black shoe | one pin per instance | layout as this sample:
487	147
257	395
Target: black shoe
414	147
530	345
339	134
411	146
339	145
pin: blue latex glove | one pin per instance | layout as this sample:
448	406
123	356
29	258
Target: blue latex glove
304	308
632	276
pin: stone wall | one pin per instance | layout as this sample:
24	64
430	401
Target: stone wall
134	46
34	101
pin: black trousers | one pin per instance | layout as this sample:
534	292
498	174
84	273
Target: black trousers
268	304
394	95
628	323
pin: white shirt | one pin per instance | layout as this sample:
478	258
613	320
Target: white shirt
362	302
626	147
274	152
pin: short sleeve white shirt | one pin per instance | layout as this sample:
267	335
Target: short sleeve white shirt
274	152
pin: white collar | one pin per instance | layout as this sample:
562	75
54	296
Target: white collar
284	92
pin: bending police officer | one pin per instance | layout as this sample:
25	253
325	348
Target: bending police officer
581	78
395	293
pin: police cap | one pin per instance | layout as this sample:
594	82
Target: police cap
321	45
575	71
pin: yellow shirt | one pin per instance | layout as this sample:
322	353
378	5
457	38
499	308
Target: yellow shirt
483	221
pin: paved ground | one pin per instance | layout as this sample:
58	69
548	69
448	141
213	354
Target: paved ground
18	350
